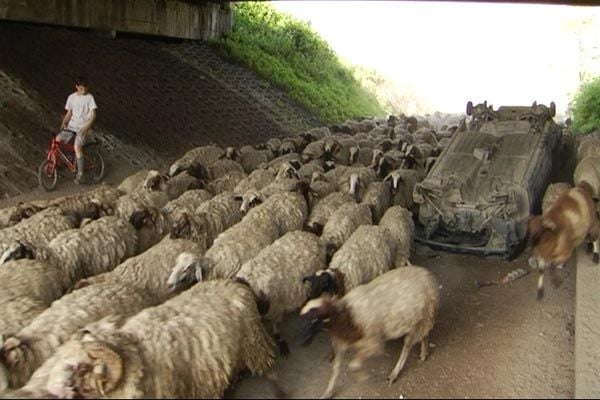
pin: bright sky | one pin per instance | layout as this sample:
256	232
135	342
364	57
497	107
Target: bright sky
449	53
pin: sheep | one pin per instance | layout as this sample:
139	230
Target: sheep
174	186
150	271
97	247
203	155
322	210
289	209
128	204
39	229
256	180
399	222
403	183
236	245
355	180
342	223
251	159
187	202
401	302
10	216
275	275
378	197
209	220
553	192
360	155
96	203
369	252
295	159
151	225
588	170
22	353
320	186
221	168
225	183
133	182
205	337
588	146
27	287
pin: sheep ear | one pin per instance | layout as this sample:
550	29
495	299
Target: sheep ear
11	351
238	197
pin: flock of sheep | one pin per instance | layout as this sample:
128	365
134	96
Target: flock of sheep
172	284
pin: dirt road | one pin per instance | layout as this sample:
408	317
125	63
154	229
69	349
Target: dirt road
493	342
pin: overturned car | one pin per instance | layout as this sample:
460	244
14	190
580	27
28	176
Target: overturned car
478	195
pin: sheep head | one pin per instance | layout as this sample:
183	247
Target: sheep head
143	217
394	178
18	250
287	170
92	369
156	181
354	184
14	360
326	281
24	211
186	272
251	199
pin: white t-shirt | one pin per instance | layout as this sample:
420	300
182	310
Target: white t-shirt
81	106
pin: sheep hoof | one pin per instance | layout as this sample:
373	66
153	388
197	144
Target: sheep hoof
596	258
589	248
392	378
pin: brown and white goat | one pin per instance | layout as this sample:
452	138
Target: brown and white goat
560	230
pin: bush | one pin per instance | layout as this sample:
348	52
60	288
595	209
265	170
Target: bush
586	107
289	54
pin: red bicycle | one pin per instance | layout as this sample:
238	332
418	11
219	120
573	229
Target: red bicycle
61	155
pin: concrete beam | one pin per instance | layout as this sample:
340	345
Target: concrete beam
182	19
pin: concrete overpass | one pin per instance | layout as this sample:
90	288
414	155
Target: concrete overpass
191	19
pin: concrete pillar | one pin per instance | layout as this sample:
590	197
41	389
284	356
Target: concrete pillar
174	18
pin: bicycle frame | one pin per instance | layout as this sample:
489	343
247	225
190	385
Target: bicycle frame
56	155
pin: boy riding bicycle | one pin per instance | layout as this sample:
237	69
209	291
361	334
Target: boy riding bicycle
77	122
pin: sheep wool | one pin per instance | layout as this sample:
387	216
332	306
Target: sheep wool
192	346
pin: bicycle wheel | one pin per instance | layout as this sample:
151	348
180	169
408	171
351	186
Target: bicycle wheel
94	166
47	175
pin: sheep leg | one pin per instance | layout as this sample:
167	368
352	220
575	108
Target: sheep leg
406	348
424	348
337	363
284	349
596	256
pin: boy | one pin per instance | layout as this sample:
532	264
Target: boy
79	118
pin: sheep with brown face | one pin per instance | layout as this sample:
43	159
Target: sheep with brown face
192	346
401	302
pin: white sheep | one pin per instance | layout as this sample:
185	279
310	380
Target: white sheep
226	183
22	353
96	248
27	287
95	203
173	186
209	220
342	224
203	155
192	346
187	202
369	252
133	182
323	209
275	275
256	180
400	303
38	230
10	216
378	197
399	222
588	169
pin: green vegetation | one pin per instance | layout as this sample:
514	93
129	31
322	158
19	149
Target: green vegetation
586	107
288	53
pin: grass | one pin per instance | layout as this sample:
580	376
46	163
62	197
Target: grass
289	54
586	107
